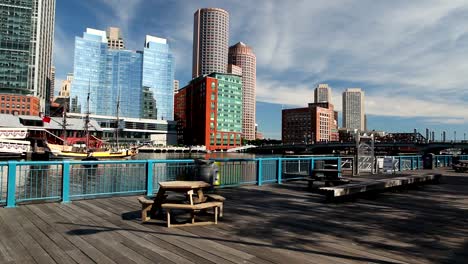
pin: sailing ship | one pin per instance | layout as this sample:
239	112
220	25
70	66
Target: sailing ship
90	147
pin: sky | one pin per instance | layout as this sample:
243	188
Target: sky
409	57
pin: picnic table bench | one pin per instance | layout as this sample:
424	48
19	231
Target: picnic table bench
197	201
331	177
461	166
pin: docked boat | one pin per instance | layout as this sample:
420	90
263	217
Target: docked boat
87	146
12	143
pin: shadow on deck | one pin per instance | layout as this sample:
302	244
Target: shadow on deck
267	224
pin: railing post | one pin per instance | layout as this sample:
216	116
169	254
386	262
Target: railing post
312	166
280	170
399	164
149	178
417	162
259	172
66	181
339	167
412	163
11	184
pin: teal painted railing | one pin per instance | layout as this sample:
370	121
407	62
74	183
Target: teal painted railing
64	181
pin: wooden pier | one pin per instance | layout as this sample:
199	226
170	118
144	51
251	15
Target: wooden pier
262	224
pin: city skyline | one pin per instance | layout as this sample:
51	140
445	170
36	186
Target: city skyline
393	68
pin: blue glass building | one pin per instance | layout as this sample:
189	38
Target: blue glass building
158	75
124	76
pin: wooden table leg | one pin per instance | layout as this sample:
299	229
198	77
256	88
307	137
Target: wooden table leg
156	210
201	197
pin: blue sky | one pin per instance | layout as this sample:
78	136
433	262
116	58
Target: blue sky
410	57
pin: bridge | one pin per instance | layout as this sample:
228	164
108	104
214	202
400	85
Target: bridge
391	147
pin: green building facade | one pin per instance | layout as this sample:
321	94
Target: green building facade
15	38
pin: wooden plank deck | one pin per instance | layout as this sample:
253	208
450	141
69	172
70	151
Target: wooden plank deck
267	224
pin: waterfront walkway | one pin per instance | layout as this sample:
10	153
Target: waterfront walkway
262	224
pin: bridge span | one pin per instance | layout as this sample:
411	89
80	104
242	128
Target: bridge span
390	147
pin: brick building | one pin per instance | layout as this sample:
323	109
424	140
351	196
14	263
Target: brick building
208	112
19	104
315	123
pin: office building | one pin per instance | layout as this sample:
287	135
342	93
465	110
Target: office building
111	77
234	69
66	86
52	83
315	123
322	94
242	56
26	40
353	109
210	41
123	77
176	86
158	75
209	112
115	39
19	104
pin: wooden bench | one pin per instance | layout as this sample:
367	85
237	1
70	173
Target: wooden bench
193	208
146	205
217	198
460	167
377	185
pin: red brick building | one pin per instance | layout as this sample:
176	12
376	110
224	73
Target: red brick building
208	112
20	104
316	123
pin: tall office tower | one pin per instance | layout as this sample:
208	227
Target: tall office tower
322	94
110	76
176	86
210	41
243	56
114	38
158	75
52	83
26	38
353	109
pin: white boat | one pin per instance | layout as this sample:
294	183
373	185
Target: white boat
11	143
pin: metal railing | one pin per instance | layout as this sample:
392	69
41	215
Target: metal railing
64	181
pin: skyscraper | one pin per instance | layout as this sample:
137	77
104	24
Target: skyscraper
158	75
52	83
210	41
322	94
242	55
353	109
66	86
176	86
114	38
109	75
26	38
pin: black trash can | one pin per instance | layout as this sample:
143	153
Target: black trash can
455	159
428	161
319	164
207	171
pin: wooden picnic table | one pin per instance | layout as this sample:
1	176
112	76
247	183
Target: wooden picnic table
187	187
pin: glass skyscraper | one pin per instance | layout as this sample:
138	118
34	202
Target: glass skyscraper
26	36
15	37
89	71
158	75
124	76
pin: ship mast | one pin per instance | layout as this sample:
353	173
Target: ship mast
86	119
64	125
118	122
